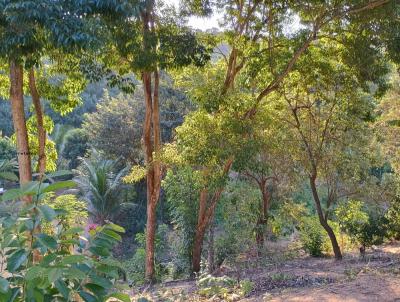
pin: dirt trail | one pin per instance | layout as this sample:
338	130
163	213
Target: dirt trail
374	278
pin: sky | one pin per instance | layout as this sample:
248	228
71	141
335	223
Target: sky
199	23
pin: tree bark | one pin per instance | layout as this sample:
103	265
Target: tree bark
41	168
211	251
263	219
18	114
323	219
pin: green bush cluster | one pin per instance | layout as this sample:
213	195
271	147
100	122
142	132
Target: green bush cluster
60	265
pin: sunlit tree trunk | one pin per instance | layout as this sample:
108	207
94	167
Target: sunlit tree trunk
323	219
18	116
41	169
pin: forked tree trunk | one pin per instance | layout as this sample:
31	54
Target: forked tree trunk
206	214
19	122
41	168
324	221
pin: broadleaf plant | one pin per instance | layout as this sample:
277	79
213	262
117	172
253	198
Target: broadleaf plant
61	265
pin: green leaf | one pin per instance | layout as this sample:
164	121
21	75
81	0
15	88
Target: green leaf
16	260
115	228
62	288
59	185
73	231
103	282
120	296
87	297
73	273
72	259
54	274
4	284
47	241
113	234
47	212
9	176
12	194
99	251
34	272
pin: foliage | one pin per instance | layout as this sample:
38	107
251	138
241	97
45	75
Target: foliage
135	267
41	267
74	212
7	149
102	187
182	190
285	219
237	216
75	145
366	228
8	170
351	217
314	238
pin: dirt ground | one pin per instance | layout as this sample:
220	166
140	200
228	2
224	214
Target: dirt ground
376	277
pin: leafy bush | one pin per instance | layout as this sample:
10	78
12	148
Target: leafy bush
135	267
7	149
365	228
75	146
314	238
42	267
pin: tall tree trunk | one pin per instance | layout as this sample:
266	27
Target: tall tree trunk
41	169
206	214
200	231
18	114
152	143
211	251
323	219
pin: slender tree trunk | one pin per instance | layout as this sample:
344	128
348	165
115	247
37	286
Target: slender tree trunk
211	251
41	169
18	114
200	231
152	143
263	219
323	219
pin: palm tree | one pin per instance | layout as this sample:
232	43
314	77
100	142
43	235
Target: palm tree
101	187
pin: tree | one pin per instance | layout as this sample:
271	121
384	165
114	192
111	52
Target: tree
263	54
101	186
328	113
160	43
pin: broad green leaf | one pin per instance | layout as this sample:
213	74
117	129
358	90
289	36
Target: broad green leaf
54	274
120	296
87	297
9	176
73	231
59	185
16	260
48	212
103	282
115	228
99	251
12	194
4	284
47	241
62	288
34	272
72	259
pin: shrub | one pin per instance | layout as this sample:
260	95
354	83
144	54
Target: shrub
365	228
41	267
314	238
